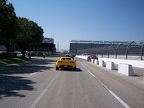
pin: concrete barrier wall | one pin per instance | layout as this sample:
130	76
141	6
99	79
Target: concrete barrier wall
121	65
129	57
96	62
101	63
92	60
134	63
125	69
82	57
110	65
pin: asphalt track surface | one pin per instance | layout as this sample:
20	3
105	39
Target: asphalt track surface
38	85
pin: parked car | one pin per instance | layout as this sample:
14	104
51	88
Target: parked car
90	57
66	63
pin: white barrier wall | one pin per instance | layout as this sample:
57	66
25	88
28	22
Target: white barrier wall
110	65
82	57
101	63
92	60
125	69
96	62
124	66
134	63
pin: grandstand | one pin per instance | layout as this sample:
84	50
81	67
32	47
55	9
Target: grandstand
76	45
107	47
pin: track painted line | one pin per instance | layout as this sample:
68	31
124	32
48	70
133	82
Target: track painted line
82	65
119	99
111	92
91	74
42	93
33	73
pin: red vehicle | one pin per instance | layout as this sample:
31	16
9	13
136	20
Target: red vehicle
91	57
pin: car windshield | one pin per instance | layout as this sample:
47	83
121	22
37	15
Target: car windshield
66	59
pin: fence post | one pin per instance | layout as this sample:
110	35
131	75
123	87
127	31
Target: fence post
108	54
142	52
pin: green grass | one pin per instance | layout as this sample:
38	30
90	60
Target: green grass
2	62
15	60
18	59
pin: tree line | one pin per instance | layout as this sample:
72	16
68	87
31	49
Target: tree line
18	32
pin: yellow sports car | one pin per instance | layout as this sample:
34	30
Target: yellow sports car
66	63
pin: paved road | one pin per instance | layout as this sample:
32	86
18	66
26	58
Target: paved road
38	85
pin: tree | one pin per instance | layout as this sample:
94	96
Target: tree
29	35
7	24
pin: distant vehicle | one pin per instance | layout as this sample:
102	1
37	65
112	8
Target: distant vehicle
70	55
66	63
91	57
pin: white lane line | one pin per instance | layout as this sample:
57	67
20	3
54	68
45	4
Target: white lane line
42	93
33	73
91	74
111	92
82	65
119	99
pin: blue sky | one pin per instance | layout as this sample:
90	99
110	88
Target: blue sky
102	20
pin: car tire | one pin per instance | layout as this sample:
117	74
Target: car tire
74	69
57	68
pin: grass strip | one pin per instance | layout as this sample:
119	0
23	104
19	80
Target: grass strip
15	60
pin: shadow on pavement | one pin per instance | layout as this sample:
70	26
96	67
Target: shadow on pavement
68	70
11	85
78	70
42	61
36	65
22	69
